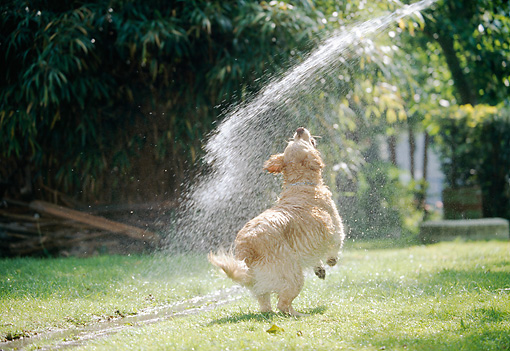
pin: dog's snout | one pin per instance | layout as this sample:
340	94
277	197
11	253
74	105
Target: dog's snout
300	131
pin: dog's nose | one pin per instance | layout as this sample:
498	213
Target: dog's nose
300	130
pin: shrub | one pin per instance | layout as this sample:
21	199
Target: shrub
474	144
110	99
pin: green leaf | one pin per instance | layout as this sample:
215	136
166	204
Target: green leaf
275	329
82	45
391	116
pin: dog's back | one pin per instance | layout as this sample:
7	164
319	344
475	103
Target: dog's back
302	225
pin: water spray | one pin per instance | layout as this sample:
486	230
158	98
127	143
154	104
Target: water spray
233	187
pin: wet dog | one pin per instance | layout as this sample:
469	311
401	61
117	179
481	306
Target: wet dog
303	228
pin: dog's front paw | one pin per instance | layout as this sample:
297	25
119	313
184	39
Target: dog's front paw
332	261
320	272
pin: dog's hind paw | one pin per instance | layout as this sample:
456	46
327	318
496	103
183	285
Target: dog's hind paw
320	272
332	261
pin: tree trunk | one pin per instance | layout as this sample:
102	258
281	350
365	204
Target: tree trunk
424	182
461	81
392	146
426	156
412	149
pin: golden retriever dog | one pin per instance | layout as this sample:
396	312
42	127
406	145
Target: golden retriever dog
272	249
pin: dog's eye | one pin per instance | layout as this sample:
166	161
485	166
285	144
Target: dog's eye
313	141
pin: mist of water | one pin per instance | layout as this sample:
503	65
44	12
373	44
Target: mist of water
233	188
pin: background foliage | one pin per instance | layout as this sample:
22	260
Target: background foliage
475	146
109	100
105	97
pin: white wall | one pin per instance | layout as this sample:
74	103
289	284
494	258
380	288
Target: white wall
435	175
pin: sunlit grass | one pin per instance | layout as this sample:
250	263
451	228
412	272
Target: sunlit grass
451	296
439	297
42	294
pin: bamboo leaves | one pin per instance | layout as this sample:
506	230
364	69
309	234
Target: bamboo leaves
93	84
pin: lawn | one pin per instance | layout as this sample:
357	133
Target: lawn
38	295
438	297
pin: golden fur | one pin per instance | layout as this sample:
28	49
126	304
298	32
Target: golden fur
300	230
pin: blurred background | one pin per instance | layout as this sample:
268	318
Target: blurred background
105	107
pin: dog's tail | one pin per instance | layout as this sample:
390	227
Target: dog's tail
235	269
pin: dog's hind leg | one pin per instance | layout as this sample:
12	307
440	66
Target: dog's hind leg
319	270
332	255
264	302
332	261
293	281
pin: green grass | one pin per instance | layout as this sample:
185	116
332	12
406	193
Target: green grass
38	295
449	296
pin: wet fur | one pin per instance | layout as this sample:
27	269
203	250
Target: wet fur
303	228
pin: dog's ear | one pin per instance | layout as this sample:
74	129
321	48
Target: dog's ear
274	164
313	162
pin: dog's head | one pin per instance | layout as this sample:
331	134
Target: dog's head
301	161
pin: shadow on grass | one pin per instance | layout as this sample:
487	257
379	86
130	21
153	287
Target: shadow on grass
263	317
490	315
494	278
379	244
403	243
494	337
469	279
